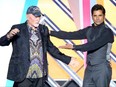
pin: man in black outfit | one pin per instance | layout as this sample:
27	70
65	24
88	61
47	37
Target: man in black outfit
100	38
28	65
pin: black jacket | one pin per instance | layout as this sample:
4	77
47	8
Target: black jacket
20	58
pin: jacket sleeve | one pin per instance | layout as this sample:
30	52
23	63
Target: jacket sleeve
4	41
54	51
106	37
80	34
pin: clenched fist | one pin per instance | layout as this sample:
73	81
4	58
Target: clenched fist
12	33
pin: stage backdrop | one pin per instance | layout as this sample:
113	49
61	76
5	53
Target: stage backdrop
66	15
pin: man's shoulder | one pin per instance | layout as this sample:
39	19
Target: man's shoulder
108	29
43	26
19	25
88	27
44	29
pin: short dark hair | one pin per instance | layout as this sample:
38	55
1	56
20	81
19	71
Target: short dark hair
98	7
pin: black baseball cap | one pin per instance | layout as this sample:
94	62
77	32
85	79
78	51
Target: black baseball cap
34	10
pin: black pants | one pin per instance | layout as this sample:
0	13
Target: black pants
97	75
29	82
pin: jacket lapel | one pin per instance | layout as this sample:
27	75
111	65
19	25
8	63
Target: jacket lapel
25	39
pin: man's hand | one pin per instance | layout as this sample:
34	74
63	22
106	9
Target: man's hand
74	62
67	46
12	33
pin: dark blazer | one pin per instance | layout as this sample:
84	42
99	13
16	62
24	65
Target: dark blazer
20	58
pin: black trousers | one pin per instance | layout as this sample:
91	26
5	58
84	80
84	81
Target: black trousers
98	75
29	82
